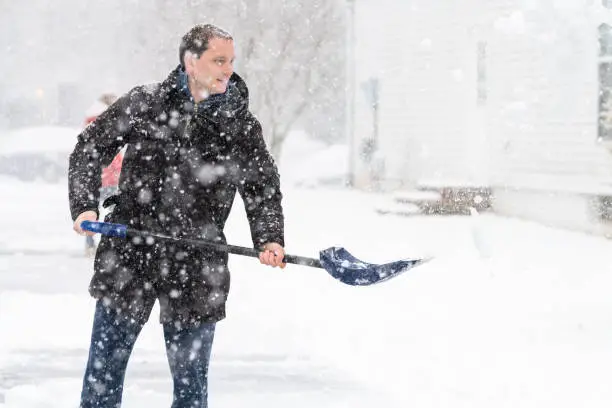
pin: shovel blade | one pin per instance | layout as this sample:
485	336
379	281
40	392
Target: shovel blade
340	264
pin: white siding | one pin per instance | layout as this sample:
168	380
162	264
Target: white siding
430	127
542	110
534	140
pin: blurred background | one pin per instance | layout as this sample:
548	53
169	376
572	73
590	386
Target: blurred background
499	105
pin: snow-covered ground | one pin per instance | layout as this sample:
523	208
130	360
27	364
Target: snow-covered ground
508	314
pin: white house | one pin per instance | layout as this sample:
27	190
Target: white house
506	94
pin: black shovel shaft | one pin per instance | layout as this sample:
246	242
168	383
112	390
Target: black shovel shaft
232	249
336	261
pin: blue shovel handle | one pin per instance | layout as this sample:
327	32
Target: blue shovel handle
105	228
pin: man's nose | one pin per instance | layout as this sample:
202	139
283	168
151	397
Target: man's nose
228	69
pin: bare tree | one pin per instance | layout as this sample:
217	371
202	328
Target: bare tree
290	52
286	53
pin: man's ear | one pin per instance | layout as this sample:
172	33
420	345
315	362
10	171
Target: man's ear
189	61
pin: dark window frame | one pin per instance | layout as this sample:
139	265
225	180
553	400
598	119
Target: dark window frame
604	76
481	73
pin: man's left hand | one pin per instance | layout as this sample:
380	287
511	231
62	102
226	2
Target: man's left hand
273	255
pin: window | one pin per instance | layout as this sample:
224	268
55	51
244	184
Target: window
605	82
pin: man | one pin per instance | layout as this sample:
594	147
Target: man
191	143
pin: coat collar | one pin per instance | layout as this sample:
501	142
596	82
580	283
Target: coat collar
228	104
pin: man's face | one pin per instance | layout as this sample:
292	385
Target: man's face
211	72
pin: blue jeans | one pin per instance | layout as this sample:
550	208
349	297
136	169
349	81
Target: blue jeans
89	242
112	340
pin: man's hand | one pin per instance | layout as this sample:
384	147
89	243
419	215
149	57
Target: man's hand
85	216
273	255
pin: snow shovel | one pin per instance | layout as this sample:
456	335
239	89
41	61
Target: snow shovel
337	261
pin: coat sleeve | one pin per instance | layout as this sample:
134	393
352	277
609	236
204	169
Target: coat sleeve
258	183
96	147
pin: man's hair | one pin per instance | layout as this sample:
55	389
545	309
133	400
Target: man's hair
196	40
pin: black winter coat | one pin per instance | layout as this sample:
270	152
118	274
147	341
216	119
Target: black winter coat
182	167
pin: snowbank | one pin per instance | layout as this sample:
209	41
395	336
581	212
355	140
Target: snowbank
309	163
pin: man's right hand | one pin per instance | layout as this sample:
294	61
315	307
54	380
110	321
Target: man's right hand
85	216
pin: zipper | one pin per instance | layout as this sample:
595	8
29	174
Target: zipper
188	125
